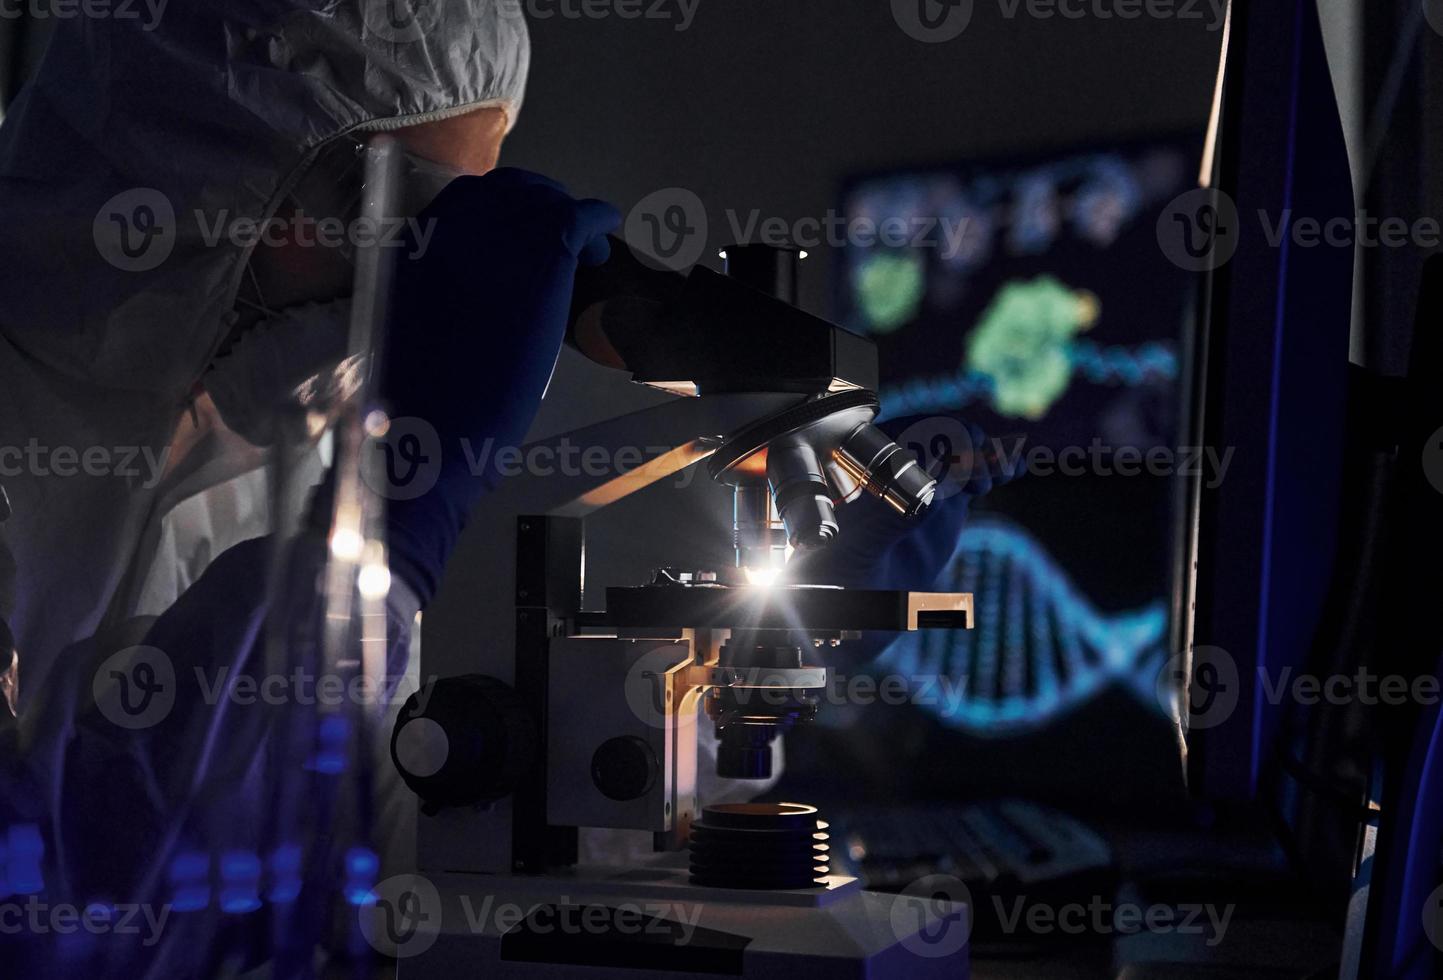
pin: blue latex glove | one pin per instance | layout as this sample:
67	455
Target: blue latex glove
877	548
476	325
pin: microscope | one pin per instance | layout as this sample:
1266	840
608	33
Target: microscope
542	714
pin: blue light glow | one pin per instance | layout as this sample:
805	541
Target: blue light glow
190	881
23	853
333	737
361	867
285	867
1038	648
240	873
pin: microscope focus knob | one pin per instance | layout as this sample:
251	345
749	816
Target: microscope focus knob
624	768
464	741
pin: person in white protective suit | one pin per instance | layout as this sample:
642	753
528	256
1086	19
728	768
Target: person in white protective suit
130	167
153	360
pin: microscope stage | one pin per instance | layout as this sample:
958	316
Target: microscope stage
787	607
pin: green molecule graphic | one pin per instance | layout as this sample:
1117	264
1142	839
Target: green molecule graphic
890	286
1023	343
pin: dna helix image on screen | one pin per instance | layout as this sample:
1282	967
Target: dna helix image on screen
1040	308
1025	352
1026	346
1039	648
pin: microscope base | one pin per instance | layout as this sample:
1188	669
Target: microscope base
652	922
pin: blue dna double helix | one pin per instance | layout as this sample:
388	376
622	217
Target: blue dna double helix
1096	364
1102	365
1038	646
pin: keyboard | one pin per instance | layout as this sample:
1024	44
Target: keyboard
1002	849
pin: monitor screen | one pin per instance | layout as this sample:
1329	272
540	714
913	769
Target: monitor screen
1031	297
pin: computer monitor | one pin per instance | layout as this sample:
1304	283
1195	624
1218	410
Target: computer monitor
1032	296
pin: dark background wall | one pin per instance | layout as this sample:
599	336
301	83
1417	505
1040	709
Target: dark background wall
767	104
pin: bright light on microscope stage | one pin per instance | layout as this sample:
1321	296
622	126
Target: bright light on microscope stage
762	577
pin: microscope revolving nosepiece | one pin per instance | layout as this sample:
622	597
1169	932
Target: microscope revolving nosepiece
811	457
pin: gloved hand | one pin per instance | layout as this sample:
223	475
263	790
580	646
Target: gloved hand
478	316
877	548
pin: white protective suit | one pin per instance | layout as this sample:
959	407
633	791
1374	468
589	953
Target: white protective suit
119	162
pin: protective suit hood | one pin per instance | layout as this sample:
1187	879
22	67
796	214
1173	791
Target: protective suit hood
207	117
131	169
